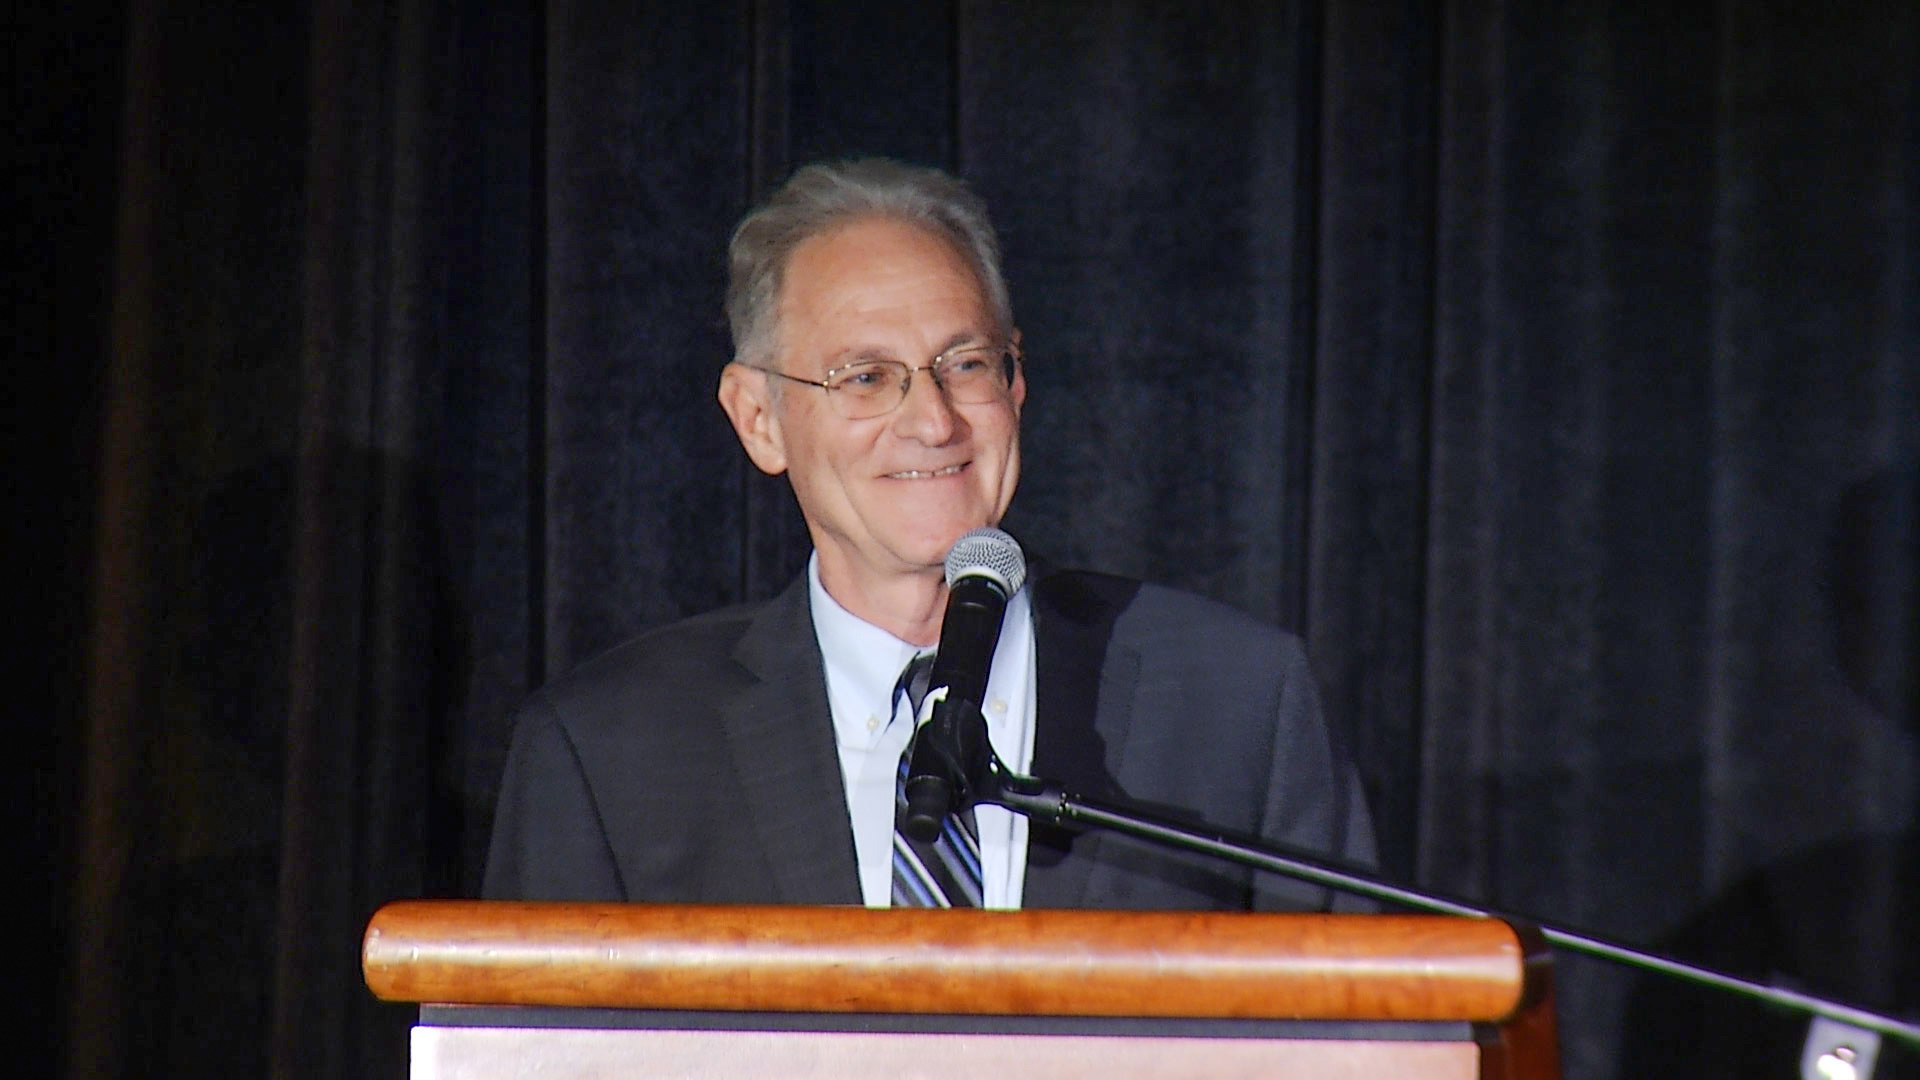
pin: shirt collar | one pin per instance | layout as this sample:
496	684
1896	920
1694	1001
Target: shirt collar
863	655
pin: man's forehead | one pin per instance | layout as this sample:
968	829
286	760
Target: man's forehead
853	245
885	276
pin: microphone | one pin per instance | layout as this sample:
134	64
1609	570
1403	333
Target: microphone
984	568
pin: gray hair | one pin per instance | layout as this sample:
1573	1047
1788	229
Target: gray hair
825	195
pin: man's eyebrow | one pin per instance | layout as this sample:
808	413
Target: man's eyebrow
963	339
864	353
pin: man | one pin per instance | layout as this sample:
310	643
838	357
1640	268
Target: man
751	755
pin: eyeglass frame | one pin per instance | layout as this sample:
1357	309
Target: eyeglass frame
931	367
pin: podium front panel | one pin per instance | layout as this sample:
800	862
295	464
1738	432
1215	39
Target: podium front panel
601	1044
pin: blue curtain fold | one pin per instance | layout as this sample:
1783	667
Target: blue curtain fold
1554	371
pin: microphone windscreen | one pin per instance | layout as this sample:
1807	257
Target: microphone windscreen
991	553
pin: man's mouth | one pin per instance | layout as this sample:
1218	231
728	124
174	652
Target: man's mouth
917	474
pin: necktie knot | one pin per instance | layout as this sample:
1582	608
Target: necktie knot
914	682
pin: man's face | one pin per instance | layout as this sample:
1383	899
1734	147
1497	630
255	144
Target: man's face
890	494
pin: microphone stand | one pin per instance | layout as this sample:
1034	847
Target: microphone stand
977	775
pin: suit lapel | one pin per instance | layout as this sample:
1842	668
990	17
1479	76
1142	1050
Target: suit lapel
1082	712
780	733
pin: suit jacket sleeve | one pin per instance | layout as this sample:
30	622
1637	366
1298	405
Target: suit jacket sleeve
1314	798
1204	714
692	764
548	840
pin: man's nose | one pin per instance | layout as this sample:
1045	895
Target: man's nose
927	414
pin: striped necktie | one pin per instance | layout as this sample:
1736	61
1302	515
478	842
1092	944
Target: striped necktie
946	872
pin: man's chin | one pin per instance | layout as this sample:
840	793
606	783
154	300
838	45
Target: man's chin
928	552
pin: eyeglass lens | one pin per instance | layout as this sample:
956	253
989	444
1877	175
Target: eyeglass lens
973	377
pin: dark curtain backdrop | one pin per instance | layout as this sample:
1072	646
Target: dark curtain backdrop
1554	369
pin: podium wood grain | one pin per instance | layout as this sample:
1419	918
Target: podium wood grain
1034	963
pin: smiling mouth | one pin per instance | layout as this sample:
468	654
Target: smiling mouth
916	474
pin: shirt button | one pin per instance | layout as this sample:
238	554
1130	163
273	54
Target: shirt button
998	706
872	722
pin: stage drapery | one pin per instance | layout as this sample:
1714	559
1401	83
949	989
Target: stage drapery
1554	370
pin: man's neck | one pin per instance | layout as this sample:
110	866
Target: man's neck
908	606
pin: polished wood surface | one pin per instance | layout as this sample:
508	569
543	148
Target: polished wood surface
1086	963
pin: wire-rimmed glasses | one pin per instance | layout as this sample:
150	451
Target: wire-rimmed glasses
970	375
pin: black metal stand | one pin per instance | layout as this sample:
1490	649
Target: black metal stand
989	781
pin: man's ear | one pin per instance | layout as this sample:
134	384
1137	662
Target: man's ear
748	401
1019	387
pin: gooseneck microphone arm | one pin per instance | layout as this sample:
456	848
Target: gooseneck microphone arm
990	782
979	776
985	779
953	767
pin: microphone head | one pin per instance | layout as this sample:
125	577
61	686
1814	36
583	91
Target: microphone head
988	553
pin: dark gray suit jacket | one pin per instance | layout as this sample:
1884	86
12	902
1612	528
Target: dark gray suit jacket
696	763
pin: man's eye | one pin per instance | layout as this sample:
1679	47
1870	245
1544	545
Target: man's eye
966	364
867	380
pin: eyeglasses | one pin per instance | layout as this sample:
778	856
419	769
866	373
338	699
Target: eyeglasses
970	374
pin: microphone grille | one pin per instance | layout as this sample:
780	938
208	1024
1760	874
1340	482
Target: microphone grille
990	552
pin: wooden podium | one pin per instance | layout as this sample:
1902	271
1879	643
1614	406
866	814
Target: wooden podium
573	991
